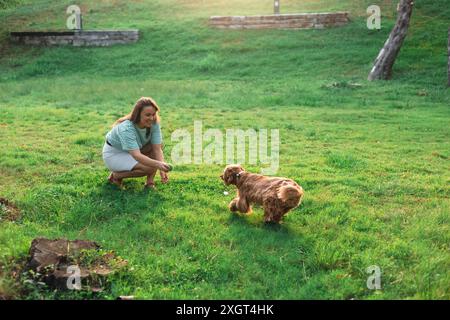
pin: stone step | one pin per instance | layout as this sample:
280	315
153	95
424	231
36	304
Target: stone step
77	37
297	21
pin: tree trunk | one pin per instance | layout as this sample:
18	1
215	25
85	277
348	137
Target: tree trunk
449	57
276	6
382	68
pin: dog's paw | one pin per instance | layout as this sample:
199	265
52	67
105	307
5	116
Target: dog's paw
271	219
268	220
233	205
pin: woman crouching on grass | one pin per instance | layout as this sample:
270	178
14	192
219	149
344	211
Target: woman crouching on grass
133	146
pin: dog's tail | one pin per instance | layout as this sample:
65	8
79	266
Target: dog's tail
290	195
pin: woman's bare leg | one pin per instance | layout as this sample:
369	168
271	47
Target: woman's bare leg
138	170
147	150
129	174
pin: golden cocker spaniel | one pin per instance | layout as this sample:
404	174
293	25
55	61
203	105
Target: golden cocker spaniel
276	195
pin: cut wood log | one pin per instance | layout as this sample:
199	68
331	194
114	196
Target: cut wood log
57	262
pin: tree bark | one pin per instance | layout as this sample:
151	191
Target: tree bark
276	6
382	68
449	57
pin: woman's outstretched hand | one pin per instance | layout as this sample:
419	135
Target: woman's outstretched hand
164	167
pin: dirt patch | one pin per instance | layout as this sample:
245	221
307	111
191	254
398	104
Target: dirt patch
8	211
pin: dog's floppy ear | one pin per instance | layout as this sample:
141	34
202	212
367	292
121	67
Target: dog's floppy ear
229	177
231	174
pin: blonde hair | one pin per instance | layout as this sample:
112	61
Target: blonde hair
135	115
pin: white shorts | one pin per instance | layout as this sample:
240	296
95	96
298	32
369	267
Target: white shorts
117	160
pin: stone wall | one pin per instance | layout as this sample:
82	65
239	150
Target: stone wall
77	38
282	21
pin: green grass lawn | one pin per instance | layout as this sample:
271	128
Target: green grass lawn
373	159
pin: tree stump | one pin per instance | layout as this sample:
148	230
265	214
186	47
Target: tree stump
52	259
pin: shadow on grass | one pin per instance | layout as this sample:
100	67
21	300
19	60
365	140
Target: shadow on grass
255	220
250	235
107	203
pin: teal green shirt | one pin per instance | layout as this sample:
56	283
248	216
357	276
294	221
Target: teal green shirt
127	136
